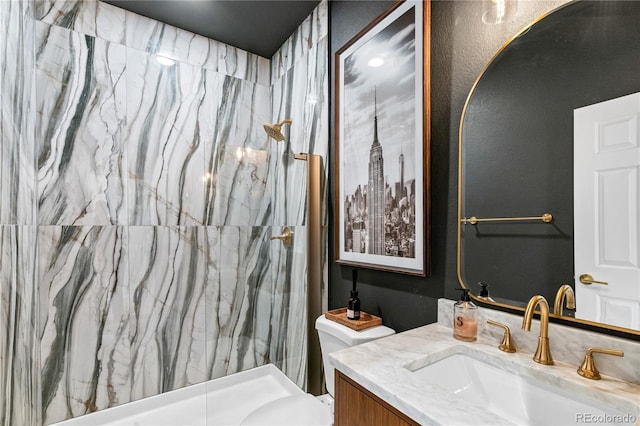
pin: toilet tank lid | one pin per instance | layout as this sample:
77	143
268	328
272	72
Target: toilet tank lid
352	336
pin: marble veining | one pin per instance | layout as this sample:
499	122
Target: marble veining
383	367
187	121
17	138
289	274
91	17
253	301
110	23
168	321
239	190
84	328
80	94
200	303
19	349
243	278
155	37
288	182
168	117
151	267
300	94
313	29
241	108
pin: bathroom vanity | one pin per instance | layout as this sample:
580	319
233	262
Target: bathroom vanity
415	377
355	405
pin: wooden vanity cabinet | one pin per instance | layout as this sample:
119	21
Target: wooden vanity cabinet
355	406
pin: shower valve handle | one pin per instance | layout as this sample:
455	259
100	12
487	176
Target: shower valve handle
286	237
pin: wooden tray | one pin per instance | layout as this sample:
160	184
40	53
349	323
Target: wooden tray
366	320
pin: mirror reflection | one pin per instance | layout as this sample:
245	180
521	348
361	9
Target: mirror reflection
517	162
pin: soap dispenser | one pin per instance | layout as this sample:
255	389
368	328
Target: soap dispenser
353	308
484	292
465	318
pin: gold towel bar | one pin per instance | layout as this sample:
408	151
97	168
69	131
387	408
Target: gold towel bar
547	217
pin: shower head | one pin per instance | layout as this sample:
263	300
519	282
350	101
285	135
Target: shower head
274	130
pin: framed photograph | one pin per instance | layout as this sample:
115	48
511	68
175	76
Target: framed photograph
382	143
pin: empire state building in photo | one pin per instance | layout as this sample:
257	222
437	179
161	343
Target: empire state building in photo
376	193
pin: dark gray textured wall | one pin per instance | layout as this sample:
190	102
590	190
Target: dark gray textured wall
461	46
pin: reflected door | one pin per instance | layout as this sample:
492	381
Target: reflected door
607	199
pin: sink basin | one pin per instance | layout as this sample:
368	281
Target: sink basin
517	399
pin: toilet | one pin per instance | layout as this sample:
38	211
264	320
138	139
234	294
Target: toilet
305	409
334	336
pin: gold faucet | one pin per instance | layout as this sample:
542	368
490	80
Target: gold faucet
565	293
543	354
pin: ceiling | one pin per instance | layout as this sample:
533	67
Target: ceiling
260	27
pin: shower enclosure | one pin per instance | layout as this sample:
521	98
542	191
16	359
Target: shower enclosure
314	295
139	200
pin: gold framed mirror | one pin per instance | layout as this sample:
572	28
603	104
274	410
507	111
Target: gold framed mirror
516	151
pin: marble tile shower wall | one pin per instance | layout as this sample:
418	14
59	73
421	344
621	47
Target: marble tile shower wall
300	91
19	371
136	221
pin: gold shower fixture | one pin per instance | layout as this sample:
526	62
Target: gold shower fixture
286	237
275	130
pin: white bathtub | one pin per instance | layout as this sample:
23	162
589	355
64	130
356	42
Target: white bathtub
262	395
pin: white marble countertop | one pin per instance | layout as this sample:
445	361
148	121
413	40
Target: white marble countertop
380	366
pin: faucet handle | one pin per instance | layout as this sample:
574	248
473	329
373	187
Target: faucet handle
506	345
588	368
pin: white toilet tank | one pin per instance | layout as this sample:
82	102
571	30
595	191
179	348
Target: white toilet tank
334	336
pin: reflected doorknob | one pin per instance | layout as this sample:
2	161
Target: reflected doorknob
587	279
286	237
